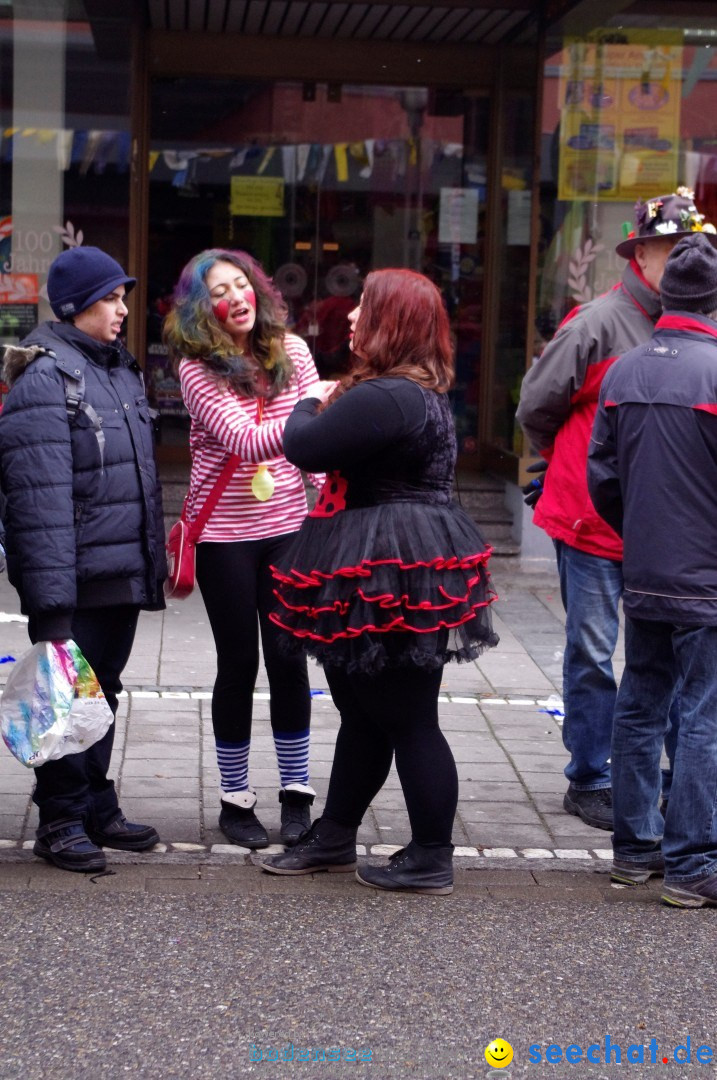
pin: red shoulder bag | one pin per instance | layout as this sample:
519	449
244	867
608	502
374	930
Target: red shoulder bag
183	536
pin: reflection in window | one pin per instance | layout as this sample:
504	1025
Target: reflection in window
322	184
64	157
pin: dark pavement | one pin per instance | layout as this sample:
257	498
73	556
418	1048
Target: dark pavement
190	962
193	970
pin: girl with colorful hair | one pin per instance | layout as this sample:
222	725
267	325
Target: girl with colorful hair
386	582
241	374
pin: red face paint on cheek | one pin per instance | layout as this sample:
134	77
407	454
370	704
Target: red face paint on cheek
221	310
250	297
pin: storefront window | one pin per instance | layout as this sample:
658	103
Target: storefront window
64	159
628	114
322	183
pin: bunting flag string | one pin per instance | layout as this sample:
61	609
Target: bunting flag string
95	151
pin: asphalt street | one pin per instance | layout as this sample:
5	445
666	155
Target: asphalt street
204	972
190	962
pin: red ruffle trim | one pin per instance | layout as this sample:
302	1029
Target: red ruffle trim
384	600
317	577
395	625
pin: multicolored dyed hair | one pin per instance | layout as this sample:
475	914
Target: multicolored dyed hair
192	330
403	330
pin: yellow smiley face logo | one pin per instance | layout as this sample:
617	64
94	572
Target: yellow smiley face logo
499	1053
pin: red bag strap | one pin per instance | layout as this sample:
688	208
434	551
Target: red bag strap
197	526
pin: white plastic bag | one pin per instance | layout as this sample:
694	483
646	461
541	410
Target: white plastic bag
52	704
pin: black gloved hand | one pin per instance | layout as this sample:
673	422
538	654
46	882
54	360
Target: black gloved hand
534	489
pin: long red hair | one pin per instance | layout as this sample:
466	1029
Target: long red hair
403	330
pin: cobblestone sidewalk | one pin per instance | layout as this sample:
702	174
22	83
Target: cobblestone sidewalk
497	713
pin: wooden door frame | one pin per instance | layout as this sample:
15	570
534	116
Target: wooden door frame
139	187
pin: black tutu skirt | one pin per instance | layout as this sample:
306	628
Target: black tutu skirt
401	583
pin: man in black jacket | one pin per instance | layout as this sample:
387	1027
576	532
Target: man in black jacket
652	475
85	536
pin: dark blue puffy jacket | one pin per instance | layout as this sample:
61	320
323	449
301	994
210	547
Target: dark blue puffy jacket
652	470
84	525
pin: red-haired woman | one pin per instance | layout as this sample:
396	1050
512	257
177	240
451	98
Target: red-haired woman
386	581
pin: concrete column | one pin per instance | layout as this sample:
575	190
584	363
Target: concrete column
39	34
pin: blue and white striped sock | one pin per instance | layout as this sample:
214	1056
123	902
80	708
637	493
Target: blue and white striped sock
233	762
292	754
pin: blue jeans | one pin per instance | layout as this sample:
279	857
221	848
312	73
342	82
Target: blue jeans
591	588
659	656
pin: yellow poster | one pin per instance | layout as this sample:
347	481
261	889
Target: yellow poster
619	116
256	196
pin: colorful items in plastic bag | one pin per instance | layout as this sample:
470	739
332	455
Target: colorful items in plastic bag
52	704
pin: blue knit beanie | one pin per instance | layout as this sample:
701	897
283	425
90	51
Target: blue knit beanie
80	276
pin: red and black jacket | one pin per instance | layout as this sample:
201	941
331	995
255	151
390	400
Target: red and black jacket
559	398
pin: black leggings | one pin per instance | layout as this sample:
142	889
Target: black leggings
236	585
394	712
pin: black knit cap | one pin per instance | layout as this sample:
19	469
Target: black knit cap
689	282
80	276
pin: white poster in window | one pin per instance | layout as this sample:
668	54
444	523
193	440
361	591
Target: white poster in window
518	231
458	216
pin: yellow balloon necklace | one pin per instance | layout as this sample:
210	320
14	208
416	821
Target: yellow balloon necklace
262	482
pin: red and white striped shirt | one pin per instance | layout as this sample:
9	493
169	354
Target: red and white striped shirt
224	423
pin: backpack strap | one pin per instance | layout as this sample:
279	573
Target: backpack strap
71	368
75	403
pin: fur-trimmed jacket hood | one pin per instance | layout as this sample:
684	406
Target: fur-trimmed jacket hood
16	359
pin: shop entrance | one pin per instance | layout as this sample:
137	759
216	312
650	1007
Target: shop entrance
322	183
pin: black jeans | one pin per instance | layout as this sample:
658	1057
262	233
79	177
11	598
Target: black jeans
236	585
77	786
394	712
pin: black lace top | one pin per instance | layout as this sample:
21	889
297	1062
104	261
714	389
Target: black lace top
390	440
386	570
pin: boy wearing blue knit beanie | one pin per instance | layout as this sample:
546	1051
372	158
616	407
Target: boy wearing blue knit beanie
84	526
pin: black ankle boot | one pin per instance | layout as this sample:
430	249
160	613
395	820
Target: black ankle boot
238	821
295	813
326	846
67	845
413	869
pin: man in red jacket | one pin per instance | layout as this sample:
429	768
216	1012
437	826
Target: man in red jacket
557	407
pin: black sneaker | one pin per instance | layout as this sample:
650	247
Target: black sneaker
594	807
238	821
624	872
701	892
295	813
67	845
123	835
413	869
326	846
